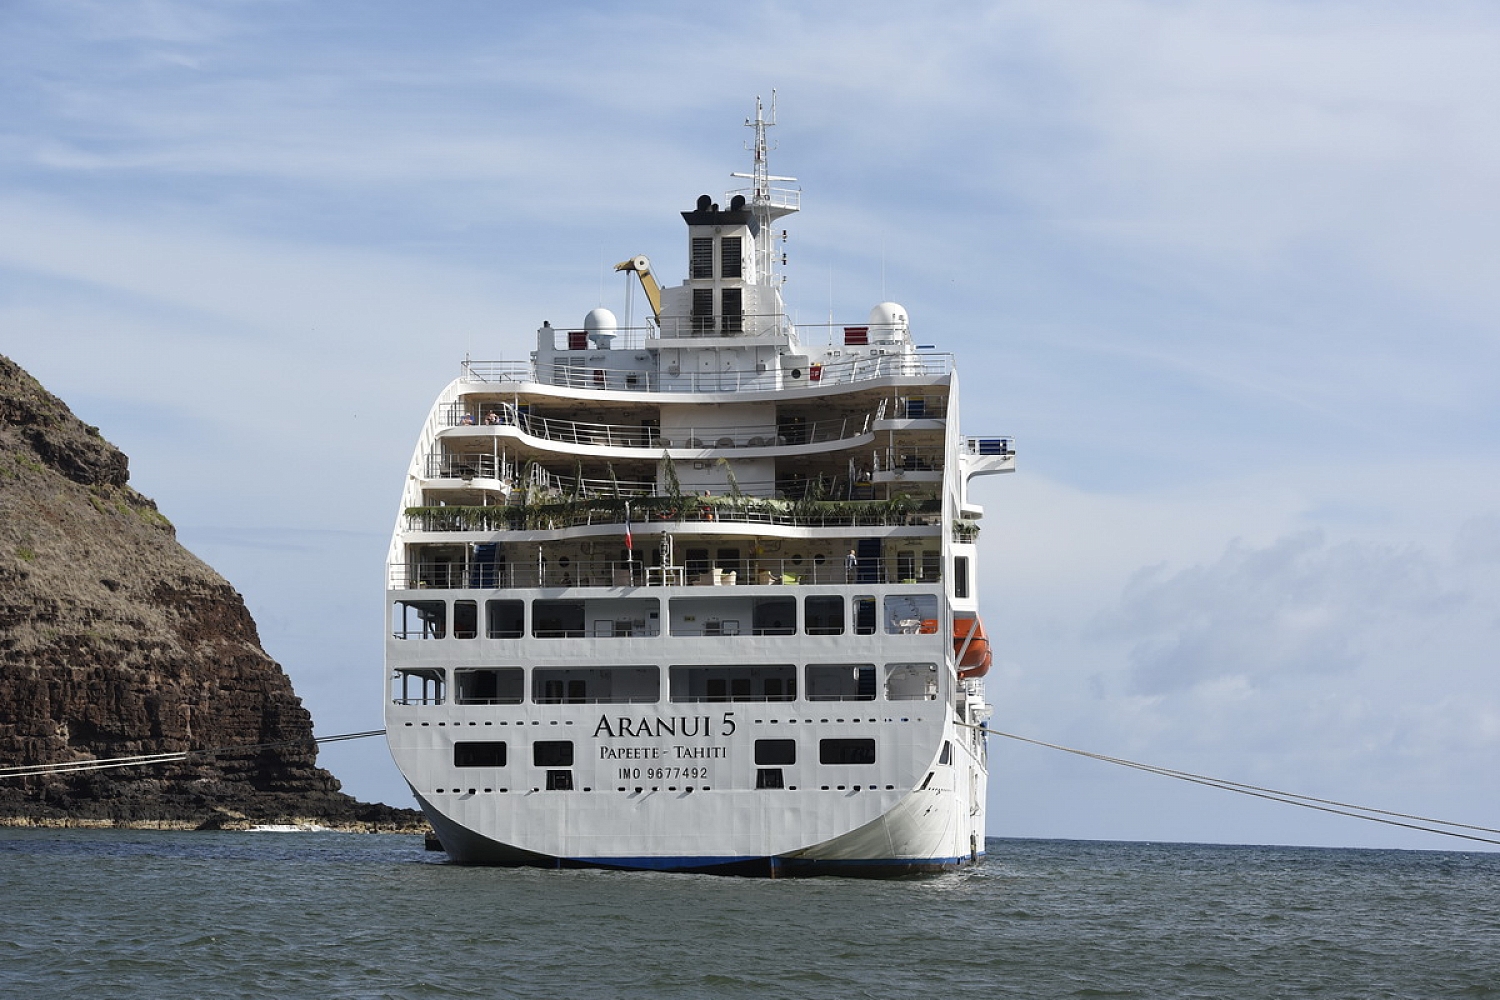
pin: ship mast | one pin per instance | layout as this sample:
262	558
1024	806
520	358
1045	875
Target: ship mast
768	204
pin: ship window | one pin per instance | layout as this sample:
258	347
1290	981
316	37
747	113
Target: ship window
911	681
708	615
731	263
946	756
772	682
775	751
419	619
825	615
489	686
775	616
960	576
846	751
840	682
552	753
696	563
479	754
418	686
911	614
864	616
465	619
595	685
932	566
557	620
702	265
559	781
505	619
703	310
731	307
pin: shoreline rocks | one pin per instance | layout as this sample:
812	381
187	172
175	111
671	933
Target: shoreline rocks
115	642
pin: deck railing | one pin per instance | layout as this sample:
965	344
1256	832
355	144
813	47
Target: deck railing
649	512
576	432
607	573
576	374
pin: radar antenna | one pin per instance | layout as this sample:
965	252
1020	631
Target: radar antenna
768	204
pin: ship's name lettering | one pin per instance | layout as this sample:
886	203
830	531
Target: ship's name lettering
625	727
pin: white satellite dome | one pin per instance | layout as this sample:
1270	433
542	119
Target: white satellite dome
888	320
600	325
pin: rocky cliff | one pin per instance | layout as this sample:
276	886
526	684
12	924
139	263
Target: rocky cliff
115	641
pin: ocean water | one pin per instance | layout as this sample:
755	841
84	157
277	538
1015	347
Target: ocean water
117	914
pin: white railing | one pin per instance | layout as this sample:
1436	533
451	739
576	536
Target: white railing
576	432
608	573
997	446
845	371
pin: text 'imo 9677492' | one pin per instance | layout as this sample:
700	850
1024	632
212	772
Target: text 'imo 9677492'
699	595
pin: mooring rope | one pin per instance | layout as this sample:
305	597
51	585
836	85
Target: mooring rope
101	764
1366	813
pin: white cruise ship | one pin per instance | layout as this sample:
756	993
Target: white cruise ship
698	594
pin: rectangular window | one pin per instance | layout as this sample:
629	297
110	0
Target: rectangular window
419	619
774	616
702	263
731	261
824	615
932	566
731	307
772	682
465	619
775	751
911	681
476	754
703	310
505	619
911	614
552	753
960	576
864	616
595	685
559	781
418	686
489	686
557	620
841	682
846	751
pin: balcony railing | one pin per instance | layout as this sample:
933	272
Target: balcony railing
648	511
576	432
910	460
763	572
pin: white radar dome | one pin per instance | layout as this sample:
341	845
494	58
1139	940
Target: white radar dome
889	318
600	325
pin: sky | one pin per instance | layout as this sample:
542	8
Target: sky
1226	273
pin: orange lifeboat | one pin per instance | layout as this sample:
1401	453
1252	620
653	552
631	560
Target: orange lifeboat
971	648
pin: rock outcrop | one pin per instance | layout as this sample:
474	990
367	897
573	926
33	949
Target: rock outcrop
115	641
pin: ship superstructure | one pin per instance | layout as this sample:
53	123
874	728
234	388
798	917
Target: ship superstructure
699	595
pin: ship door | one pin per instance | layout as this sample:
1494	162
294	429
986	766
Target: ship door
868	550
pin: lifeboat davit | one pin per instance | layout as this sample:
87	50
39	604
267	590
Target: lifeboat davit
971	648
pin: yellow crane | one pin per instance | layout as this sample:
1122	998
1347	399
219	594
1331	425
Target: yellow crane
641	265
